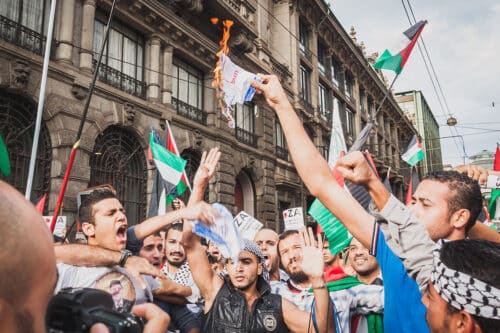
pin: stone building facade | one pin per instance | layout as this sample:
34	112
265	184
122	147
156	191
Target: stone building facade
158	66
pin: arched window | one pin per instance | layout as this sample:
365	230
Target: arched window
118	159
244	194
17	126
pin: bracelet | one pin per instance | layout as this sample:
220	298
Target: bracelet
124	256
321	286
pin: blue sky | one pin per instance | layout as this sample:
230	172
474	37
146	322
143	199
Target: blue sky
463	40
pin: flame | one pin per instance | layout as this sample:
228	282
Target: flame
217	82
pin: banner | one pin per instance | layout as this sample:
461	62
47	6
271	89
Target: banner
294	218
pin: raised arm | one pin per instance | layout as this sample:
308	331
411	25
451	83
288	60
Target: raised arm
206	170
204	277
312	167
157	223
297	320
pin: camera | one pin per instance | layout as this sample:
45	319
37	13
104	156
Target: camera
77	309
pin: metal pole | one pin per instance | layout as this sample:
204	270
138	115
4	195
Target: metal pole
41	99
82	123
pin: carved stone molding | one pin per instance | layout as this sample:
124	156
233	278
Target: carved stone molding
240	42
20	74
129	113
193	6
79	90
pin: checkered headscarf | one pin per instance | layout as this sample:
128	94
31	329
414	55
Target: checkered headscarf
252	247
464	292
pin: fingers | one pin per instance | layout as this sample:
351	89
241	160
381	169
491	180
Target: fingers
203	157
99	328
157	319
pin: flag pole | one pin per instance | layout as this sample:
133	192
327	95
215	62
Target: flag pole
177	153
82	123
41	99
385	97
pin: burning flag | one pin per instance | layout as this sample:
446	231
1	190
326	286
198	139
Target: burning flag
231	81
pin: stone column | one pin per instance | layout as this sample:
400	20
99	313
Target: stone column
166	91
66	23
87	43
153	90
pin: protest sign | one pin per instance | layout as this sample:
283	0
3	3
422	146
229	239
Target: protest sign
59	230
294	218
247	225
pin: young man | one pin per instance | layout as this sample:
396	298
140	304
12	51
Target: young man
242	302
267	239
315	172
23	301
182	318
364	264
349	299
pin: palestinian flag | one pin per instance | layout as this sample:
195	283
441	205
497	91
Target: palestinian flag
183	184
414	152
397	62
4	158
169	166
495	194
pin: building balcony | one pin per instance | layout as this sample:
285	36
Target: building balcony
17	34
121	80
307	106
189	111
246	137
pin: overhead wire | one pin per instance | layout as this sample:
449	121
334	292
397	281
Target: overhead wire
438	96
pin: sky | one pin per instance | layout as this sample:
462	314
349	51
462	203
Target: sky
463	41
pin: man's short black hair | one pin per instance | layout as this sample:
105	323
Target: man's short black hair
481	260
85	213
284	235
174	226
464	193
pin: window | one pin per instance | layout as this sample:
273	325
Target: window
362	101
349	122
325	149
322	58
303	38
24	23
348	84
335	72
324	100
17	118
281	151
118	159
245	123
305	84
187	91
123	59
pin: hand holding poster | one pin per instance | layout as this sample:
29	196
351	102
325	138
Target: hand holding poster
224	233
294	218
247	225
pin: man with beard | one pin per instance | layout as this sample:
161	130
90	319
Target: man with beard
182	319
447	203
364	264
242	301
349	299
28	271
267	239
177	267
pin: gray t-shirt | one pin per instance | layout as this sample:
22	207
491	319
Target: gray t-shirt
104	278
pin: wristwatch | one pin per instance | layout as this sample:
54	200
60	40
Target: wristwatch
123	258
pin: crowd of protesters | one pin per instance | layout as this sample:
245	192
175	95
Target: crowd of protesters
426	267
